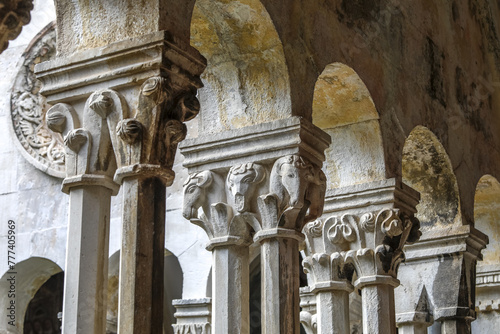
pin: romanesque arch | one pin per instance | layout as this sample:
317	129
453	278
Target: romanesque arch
29	276
343	107
426	167
246	79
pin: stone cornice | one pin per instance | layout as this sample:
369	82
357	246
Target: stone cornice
373	196
263	142
462	239
119	65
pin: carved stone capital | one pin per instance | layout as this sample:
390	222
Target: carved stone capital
154	76
328	272
14	14
369	230
193	316
205	191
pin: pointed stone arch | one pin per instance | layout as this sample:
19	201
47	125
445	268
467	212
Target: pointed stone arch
343	107
426	168
246	79
30	275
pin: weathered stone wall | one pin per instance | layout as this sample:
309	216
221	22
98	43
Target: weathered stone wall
426	63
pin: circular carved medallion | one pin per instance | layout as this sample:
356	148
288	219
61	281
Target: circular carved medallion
40	146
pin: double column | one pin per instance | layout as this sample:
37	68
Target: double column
271	198
359	244
121	127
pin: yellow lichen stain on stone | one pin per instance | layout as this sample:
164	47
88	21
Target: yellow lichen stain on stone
427	168
113	296
487	216
246	69
341	98
359	159
122	22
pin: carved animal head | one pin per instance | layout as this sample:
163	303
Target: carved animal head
295	180
195	194
242	181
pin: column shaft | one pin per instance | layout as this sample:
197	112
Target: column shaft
280	286
378	309
333	311
86	276
455	326
142	256
413	329
230	288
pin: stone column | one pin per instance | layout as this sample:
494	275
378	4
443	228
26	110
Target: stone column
139	104
229	236
297	190
329	283
308	311
291	153
89	184
364	231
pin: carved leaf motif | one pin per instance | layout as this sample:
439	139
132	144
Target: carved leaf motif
56	121
391	224
101	103
129	130
188	107
176	132
367	222
76	139
342	230
314	229
155	88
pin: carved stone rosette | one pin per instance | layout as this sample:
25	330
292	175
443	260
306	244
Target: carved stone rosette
41	147
14	14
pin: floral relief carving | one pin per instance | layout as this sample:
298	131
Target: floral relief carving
40	146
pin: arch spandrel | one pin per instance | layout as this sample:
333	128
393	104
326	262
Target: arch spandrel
426	167
246	79
343	107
